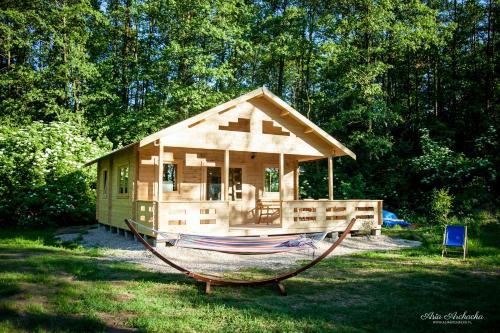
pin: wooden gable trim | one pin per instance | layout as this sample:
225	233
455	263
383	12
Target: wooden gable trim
268	127
309	126
241	125
307	123
203	115
287	111
110	153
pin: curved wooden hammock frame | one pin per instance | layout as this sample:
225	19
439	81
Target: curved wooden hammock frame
211	280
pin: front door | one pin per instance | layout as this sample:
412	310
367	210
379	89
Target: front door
214	187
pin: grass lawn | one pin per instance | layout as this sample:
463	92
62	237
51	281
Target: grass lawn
46	286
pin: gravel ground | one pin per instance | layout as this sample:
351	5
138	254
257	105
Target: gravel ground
120	248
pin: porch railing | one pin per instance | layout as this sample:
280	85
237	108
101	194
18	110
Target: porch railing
305	214
202	215
146	212
295	214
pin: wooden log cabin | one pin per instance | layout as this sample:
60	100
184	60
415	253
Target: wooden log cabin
232	170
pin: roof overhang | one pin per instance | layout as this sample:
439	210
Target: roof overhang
260	92
95	160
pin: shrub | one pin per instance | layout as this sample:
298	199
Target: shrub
477	220
440	207
469	178
41	179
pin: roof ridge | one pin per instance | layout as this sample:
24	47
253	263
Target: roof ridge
261	91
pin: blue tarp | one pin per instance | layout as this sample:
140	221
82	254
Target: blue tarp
390	220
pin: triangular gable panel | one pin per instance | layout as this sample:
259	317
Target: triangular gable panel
310	126
257	121
253	126
226	127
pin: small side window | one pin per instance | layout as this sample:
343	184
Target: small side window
105	182
235	184
123	180
271	180
169	177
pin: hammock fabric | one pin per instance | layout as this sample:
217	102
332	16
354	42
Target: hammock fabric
248	245
211	280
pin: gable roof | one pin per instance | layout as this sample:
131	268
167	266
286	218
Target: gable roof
259	92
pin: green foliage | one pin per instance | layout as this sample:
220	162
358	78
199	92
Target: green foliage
41	180
46	67
475	221
469	178
440	206
410	86
312	174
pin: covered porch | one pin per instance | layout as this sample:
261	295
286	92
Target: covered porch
226	192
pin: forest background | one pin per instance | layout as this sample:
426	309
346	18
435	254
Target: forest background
410	86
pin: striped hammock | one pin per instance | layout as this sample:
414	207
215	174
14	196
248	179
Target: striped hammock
241	244
248	244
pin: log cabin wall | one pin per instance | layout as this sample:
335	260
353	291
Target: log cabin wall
147	174
252	132
115	199
102	191
192	167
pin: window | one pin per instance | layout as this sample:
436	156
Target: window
271	180
105	182
123	180
235	184
169	177
213	183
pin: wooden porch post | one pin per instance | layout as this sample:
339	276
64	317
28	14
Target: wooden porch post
136	180
282	172
160	183
296	173
160	171
226	175
330	178
282	187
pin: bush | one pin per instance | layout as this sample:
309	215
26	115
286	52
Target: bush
41	179
477	220
469	178
440	207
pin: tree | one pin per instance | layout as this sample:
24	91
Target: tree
45	65
387	78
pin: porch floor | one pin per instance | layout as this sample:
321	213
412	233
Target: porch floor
254	226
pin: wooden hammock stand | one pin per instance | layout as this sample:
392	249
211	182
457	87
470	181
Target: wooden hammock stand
211	280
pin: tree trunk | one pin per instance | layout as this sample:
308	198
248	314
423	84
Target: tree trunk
125	56
65	60
281	74
489	55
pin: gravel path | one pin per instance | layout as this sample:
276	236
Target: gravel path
120	248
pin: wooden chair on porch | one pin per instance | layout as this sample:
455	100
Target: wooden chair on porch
268	209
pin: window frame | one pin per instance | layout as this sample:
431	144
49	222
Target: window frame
177	177
271	166
119	182
105	183
237	166
222	185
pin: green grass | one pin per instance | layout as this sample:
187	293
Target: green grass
46	286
